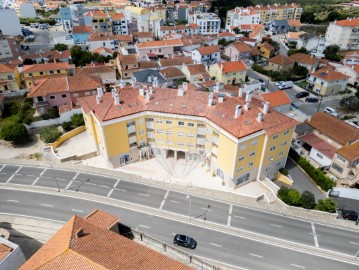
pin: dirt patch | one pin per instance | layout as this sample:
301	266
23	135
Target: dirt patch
32	150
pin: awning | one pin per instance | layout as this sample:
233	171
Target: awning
320	145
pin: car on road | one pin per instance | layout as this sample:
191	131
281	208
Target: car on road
311	99
302	94
286	85
350	214
331	111
279	83
262	82
185	241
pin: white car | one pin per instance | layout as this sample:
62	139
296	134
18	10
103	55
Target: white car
278	83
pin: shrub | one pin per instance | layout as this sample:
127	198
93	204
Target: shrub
283	171
67	126
50	134
289	196
77	120
14	133
308	200
51	113
327	205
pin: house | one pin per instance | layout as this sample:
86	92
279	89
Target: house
351	58
352	71
104	51
125	40
336	148
103	39
142	36
99	21
160	48
126	65
227	36
294	25
210	22
240	16
107	74
9	77
119	24
206	55
305	60
343	33
265	49
278	100
176	62
249	41
47	56
149	76
238	51
10	47
39	71
179	29
81	34
327	81
312	43
191	43
172	76
293	36
196	73
278	27
280	63
147	65
11	255
229	72
93	242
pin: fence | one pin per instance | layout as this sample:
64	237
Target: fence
173	252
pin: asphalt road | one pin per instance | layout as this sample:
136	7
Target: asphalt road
215	211
236	252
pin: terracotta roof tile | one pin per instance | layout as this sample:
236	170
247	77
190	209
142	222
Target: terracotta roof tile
81	29
147	64
329	75
208	50
117	16
294	35
95	13
6	68
281	60
197	69
267	46
142	34
176	61
102	50
4	251
127	38
226	34
351	22
171	72
304	58
294	23
277	98
343	133
242	47
101	219
350	151
159	43
129	59
233	66
46	67
95	70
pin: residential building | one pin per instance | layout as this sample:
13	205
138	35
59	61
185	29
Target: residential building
172	76
305	60
195	73
119	24
108	40
278	101
240	16
190	44
126	65
278	27
314	44
280	63
10	23
9	77
147	65
293	37
352	71
176	62
209	23
227	36
142	36
237	137
206	55
81	34
32	73
66	18
104	51
10	47
344	33
229	72
47	56
107	74
140	16
99	21
327	81
93	242
11	255
238	51
351	58
265	50
150	76
160	48
294	25
179	29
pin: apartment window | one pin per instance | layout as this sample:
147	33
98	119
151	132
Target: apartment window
63	96
201	125
284	143
286	132
337	167
254	142
180	144
240	169
319	156
159	131
159	121
243	146
141	131
169	143
278	164
190	135
41	73
252	154
169	132
87	93
9	77
160	142
241	158
51	72
272	148
58	71
281	154
181	134
275	137
190	124
52	97
169	122
250	164
340	158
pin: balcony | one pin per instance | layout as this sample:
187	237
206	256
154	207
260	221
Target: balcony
150	135
150	125
131	129
201	131
215	140
132	139
201	141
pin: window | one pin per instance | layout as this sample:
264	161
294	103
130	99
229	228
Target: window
141	131
30	74
280	154
180	144
190	124
337	167
252	154
240	169
275	137
319	156
52	97
241	158
254	142
58	71
169	132
286	132
9	77
190	135
272	148
181	134
159	121
201	125
278	164
243	146
159	131
250	164
63	96
340	158
284	143
51	72
41	73
169	122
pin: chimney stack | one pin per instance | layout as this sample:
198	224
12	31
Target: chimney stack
210	100
80	232
238	111
246	106
98	100
151	90
122	84
220	98
265	107
249	96
240	92
180	92
141	91
260	117
147	95
117	99
155	82
113	92
185	86
99	92
133	81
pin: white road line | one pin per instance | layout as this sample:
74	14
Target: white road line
142	194
62	179
77	174
162	204
315	235
354	243
240	217
109	194
77	210
47	205
166	195
2	167
275	225
30	175
230	209
34	183
104	186
120	189
255	255
18	170
174	201
207	209
11	177
118	181
216	245
144	226
93	184
230	215
12	201
69	184
42	173
298	266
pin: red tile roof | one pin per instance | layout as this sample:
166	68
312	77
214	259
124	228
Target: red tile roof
277	98
233	66
350	151
129	59
192	103
176	61
319	144
171	72
281	60
6	68
81	29
304	58
242	47
46	67
159	43
4	251
196	69
294	23
208	50
329	75
351	22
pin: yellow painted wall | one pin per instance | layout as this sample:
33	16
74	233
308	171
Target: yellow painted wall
116	139
37	75
90	126
67	136
226	154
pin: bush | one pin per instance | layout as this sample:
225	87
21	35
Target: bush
284	171
327	205
50	134
51	113
308	200
77	120
67	126
14	133
289	196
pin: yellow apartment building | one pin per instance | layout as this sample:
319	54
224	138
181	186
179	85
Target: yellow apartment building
229	72
238	138
9	77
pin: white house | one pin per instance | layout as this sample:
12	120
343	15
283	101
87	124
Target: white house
314	44
206	55
344	33
209	23
107	40
351	71
239	16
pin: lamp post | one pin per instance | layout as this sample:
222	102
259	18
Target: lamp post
320	96
189	196
53	173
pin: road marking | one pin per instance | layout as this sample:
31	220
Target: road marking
164	199
299	266
77	210
275	225
93	184
77	174
216	245
69	184
118	181
207	209
47	205
18	170
255	255
144	226
230	209
110	192
3	166
166	195
120	189
354	243
37	179
230	215
229	221
12	201
240	217
42	173
142	194
11	177
104	186
315	235
174	201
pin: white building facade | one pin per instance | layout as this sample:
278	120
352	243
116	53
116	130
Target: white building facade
209	23
344	33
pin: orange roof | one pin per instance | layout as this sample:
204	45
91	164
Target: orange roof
193	25
350	151
46	67
83	244
95	13
226	34
208	50
171	72
117	16
127	38
356	68
254	33
81	29
294	23
193	103
304	58
196	69
176	61
130	59
277	98
142	34
6	68
329	75
294	35
102	50
4	251
101	219
281	60
348	22
233	66
267	46
102	36
159	43
242	47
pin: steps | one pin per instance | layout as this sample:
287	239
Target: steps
270	197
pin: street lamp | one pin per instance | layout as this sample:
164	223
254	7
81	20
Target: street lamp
53	173
189	196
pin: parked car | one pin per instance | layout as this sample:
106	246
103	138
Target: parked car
311	99
185	241
302	94
68	37
285	85
24	47
279	83
262	82
350	214
331	111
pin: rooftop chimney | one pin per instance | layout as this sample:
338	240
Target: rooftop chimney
210	100
220	99
185	86
151	90
249	96
98	100
260	117
117	99
240	92
180	92
238	111
113	91
155	82
246	106
80	233
99	92
122	84
147	95
141	91
265	107
133	81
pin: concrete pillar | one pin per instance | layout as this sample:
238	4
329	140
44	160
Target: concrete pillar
175	155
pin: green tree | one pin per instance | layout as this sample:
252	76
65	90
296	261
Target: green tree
308	200
77	120
50	134
294	51
331	53
14	133
308	16
294	197
67	126
299	71
334	15
51	113
327	205
61	47
80	57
